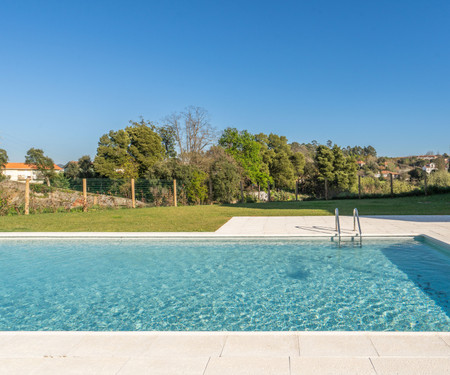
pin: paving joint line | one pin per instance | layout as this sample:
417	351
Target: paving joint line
376	350
223	346
121	367
207	363
374	369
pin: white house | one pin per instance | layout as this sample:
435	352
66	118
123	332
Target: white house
21	171
429	168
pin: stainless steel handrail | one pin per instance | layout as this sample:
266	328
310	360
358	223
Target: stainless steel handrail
356	219
338	225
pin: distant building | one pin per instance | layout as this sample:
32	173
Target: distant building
360	163
386	174
429	168
427	157
21	171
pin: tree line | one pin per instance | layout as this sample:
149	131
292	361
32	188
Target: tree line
186	147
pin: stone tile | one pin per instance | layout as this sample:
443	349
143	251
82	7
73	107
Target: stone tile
20	366
331	366
336	346
35	345
445	336
247	366
183	346
261	346
412	366
5	338
81	366
112	345
410	345
165	366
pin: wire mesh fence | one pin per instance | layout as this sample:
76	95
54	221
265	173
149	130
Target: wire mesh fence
146	192
86	194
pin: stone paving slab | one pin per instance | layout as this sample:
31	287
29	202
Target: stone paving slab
207	353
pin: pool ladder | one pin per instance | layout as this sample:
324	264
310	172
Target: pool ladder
355	221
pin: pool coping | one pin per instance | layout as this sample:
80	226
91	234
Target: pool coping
208	235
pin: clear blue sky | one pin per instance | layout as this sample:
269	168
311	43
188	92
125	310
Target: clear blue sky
356	72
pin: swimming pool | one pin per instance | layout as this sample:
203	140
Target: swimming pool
223	284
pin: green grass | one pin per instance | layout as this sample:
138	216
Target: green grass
210	218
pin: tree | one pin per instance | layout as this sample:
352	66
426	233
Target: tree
225	178
298	162
3	158
112	157
44	164
440	163
192	130
340	170
281	170
370	151
324	161
167	134
244	148
129	152
86	167
416	173
3	161
72	170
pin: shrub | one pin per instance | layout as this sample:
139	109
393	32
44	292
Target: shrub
439	179
196	189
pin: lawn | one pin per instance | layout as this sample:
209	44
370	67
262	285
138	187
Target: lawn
210	218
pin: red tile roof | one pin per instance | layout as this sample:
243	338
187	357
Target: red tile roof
26	166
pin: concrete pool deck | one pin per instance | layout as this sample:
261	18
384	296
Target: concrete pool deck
259	353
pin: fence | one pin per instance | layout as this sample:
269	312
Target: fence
84	194
88	194
145	192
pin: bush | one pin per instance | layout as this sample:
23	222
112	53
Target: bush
41	188
60	181
196	189
439	179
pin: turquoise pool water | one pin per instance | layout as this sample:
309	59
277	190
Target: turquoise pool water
232	284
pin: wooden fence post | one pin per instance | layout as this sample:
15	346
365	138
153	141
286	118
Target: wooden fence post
426	184
326	188
210	190
175	193
84	195
296	190
133	194
392	185
268	191
242	192
359	187
27	196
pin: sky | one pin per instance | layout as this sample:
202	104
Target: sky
372	72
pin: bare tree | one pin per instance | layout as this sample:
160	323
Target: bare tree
193	131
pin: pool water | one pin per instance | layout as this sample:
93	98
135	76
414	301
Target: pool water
231	284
